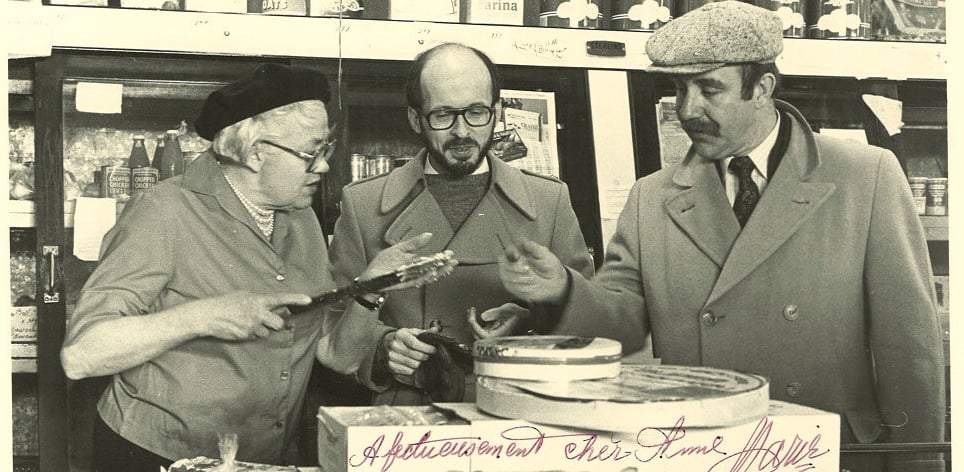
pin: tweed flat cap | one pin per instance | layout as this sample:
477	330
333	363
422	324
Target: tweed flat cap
268	87
714	35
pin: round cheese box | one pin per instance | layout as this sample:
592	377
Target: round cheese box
648	395
547	358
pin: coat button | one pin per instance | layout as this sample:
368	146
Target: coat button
793	389
279	278
710	318
285	375
791	312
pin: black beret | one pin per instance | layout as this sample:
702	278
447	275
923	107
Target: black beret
269	87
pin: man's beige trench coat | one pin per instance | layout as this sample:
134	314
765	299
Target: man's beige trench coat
827	291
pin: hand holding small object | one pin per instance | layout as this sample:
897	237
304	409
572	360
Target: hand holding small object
228	449
499	321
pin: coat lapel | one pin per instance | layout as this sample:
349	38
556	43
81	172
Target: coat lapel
484	235
486	232
701	209
788	201
421	213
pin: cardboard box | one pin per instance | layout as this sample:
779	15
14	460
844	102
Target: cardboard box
346	443
791	436
153	4
280	7
496	12
343	8
425	10
224	6
86	3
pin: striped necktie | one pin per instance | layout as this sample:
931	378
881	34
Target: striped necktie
749	194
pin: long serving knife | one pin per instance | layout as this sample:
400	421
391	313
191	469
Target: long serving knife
423	266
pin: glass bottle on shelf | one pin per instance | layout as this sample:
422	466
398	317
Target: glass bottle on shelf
171	160
158	151
143	176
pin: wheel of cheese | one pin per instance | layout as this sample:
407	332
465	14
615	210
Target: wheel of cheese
640	396
547	357
207	464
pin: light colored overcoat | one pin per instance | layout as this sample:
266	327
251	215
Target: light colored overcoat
827	291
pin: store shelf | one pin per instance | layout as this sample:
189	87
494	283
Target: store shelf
44	27
22	213
935	227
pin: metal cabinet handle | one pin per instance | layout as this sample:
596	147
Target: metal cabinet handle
51	294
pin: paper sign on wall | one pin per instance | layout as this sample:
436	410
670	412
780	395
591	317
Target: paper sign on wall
95	97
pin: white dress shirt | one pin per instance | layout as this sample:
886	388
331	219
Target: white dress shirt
760	157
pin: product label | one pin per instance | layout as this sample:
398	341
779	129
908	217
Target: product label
283	7
496	12
425	10
143	178
115	181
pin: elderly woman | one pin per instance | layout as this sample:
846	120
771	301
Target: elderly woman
187	309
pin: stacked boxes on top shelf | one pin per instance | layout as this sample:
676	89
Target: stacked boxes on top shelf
895	20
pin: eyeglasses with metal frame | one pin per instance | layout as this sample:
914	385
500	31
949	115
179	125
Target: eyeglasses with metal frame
475	116
323	152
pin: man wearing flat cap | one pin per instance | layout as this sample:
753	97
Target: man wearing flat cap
768	249
187	309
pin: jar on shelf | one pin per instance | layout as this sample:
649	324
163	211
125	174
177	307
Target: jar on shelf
641	15
572	13
839	19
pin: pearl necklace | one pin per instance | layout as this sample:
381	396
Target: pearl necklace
263	218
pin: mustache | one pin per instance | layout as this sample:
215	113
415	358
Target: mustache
459	142
696	125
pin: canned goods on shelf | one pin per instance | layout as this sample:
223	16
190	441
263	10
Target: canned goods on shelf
567	14
641	15
359	166
381	164
918	190
793	13
936	196
115	182
143	178
839	19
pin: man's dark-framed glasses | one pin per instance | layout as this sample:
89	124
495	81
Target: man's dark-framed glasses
323	152
475	115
